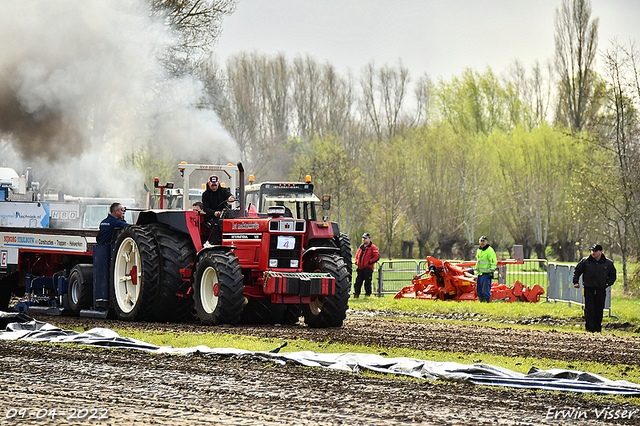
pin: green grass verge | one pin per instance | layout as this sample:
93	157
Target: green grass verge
514	363
626	309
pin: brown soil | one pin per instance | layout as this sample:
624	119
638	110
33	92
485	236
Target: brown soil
133	387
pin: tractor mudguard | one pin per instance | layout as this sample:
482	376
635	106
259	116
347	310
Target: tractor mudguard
319	250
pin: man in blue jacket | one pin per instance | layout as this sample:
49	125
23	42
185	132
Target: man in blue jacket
115	219
597	273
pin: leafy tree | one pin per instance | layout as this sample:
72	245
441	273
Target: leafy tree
533	174
334	174
388	185
474	103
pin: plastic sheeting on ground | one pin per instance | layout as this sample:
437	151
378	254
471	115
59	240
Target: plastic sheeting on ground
18	326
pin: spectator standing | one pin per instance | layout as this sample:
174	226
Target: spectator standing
367	255
597	273
486	263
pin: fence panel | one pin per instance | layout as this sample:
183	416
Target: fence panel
561	289
393	275
530	273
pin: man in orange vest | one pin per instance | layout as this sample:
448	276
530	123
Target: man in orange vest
367	255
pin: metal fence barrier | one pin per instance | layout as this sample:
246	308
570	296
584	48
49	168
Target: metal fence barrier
561	289
394	275
391	276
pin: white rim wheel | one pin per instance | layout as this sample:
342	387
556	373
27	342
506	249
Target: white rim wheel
209	290
74	291
126	276
316	306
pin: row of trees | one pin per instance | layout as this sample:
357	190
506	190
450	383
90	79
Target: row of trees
544	158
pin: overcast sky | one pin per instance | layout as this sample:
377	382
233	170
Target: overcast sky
440	38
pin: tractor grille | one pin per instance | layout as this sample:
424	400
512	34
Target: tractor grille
284	256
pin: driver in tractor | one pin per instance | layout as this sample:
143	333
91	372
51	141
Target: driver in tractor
214	199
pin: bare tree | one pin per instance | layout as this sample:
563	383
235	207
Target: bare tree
383	95
616	194
576	42
199	22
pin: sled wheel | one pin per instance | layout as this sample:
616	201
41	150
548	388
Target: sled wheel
135	275
80	289
328	311
218	288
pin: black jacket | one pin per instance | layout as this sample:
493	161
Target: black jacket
107	227
212	201
595	273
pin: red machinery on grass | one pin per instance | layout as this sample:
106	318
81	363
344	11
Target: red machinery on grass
447	281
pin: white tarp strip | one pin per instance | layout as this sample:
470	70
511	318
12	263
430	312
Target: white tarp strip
26	329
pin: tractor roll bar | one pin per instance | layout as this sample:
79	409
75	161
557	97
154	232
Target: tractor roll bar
241	184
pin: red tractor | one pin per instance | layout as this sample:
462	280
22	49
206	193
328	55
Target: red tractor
269	268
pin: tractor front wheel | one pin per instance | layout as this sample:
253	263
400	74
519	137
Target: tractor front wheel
328	311
218	288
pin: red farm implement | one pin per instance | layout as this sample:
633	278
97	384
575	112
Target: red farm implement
447	281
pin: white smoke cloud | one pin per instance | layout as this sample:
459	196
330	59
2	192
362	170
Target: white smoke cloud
82	85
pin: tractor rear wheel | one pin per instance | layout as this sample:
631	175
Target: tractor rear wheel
328	311
176	252
262	311
218	288
134	270
80	289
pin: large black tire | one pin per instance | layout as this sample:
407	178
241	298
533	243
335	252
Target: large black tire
218	288
79	289
5	297
344	244
262	311
176	252
291	315
328	311
135	274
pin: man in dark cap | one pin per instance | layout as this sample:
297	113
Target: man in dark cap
367	255
597	273
213	200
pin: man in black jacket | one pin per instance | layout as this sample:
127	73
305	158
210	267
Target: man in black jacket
115	219
597	273
213	199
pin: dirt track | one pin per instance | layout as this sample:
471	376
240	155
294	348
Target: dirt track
146	388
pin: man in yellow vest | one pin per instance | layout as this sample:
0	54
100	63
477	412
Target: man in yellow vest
485	265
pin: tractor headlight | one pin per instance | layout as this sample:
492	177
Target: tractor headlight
295	263
273	263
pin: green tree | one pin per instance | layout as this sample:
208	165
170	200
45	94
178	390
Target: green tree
533	174
333	173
